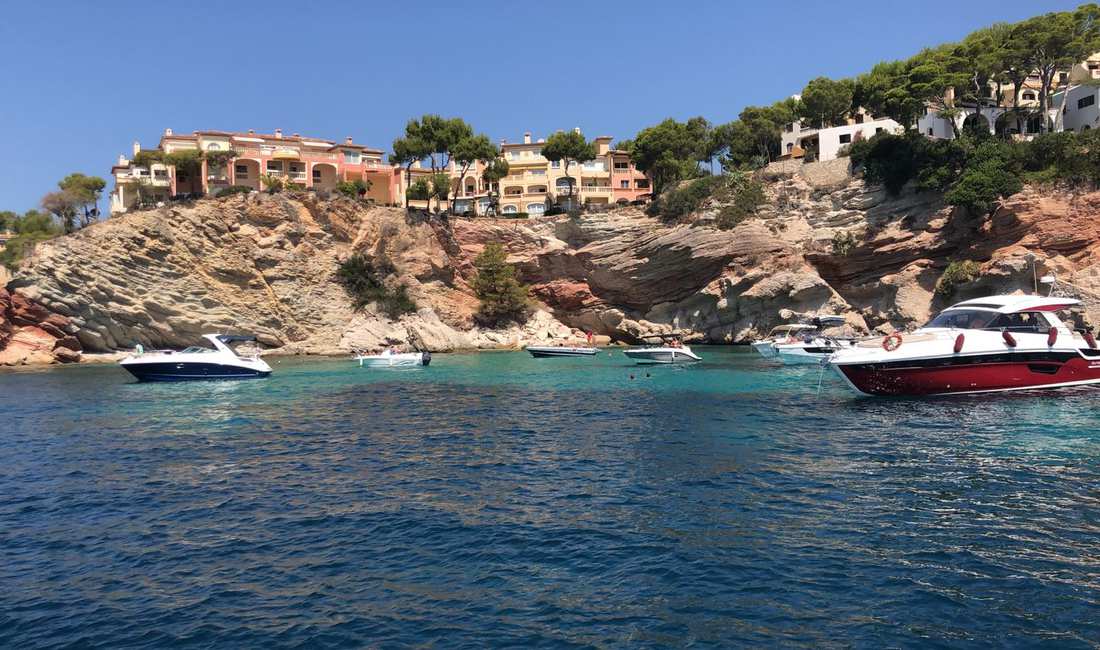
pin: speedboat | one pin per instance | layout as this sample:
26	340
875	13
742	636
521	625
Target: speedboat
542	351
779	334
197	362
812	349
670	350
998	343
803	342
389	358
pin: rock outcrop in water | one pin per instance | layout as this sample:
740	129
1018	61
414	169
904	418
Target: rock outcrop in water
266	264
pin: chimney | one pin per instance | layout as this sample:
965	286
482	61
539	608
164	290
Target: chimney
576	129
527	137
168	131
122	160
278	133
347	140
542	140
251	132
137	147
504	141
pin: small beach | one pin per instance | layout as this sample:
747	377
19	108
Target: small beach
496	499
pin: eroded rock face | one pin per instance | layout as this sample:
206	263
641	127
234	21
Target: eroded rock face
30	333
266	265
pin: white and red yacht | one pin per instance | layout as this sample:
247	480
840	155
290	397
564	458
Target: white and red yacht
989	344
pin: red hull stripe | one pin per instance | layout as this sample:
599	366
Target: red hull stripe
978	376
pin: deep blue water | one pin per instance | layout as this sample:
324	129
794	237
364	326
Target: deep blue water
494	499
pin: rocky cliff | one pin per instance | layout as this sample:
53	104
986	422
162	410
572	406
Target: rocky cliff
266	264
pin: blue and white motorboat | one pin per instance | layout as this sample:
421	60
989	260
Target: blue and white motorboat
198	362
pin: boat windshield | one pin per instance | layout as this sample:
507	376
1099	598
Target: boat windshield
975	319
195	349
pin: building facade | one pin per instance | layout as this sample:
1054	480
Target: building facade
535	183
311	162
797	139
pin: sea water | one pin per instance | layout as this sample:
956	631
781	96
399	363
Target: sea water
495	499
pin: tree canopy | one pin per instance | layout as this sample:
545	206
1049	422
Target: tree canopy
826	102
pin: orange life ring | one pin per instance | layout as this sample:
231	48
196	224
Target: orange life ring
891	342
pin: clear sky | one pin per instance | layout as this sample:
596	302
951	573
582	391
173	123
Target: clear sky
80	80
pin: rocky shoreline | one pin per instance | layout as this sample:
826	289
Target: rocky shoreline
266	264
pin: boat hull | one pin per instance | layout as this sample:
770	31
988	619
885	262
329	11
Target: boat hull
175	371
1003	371
660	356
801	355
546	352
396	360
765	349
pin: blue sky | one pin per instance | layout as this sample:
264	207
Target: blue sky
81	80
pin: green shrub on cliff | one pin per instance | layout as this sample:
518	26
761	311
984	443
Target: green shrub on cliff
364	282
353	189
233	189
991	173
503	298
30	228
680	201
742	194
843	243
957	273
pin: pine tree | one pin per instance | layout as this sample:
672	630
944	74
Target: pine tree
503	298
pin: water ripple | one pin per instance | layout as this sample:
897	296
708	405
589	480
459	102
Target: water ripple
496	500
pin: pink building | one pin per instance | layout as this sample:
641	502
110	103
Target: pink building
310	162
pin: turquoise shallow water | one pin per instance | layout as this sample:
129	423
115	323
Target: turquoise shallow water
494	499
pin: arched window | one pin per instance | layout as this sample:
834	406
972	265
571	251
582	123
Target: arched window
213	146
509	209
536	208
1028	96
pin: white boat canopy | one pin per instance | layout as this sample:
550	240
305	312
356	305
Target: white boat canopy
1016	303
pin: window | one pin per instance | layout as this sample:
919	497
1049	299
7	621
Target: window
930	131
1028	95
351	157
846	138
160	173
859	118
316	175
643	184
509	209
967	319
213	146
878	129
1030	322
1062	76
536	208
790	127
274	166
1086	101
555	164
1092	66
624	185
241	170
511	155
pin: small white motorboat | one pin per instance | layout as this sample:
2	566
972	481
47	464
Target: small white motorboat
779	334
390	358
670	350
543	351
198	362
